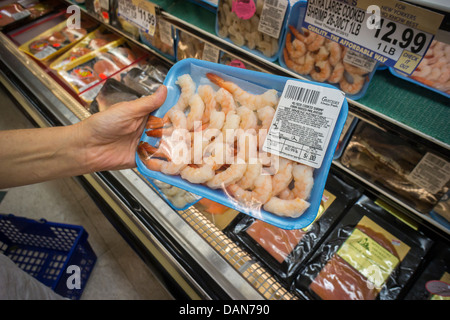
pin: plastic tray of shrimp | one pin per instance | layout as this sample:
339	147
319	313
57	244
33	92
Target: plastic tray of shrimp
198	141
243	23
433	72
322	60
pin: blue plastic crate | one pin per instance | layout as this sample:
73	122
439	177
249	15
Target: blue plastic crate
45	250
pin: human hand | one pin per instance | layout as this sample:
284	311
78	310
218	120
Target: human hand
109	138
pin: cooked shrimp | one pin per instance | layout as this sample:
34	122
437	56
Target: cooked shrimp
305	36
304	180
154	164
208	96
229	176
259	195
163	150
265	115
354	86
226	101
252	101
321	71
295	51
297	34
304	68
422	71
249	119
335	52
194	116
354	69
283	177
253	171
316	43
188	87
337	73
287	208
200	174
322	54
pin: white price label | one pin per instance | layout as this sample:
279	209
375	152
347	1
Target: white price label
165	32
431	173
272	16
210	53
392	32
304	122
139	12
45	53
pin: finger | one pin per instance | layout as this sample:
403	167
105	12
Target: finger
143	106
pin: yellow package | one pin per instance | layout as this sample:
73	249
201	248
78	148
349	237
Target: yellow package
94	41
53	42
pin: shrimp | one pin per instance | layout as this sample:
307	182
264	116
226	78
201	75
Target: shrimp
226	101
321	71
249	119
252	101
154	164
199	174
322	54
295	51
229	176
316	43
303	183
305	36
304	68
354	69
283	177
195	114
287	208
188	87
208	96
163	150
422	71
335	52
354	86
265	115
259	195
253	171
337	73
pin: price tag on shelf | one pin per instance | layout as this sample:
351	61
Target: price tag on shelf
141	13
210	53
395	33
304	122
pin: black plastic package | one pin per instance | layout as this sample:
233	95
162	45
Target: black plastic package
284	251
112	92
369	255
145	80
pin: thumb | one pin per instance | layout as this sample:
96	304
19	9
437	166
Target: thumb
143	106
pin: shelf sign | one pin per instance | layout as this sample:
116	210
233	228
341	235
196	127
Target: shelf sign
141	13
394	33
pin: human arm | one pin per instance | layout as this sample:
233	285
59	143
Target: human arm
104	141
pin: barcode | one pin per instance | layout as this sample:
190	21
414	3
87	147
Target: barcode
436	160
301	94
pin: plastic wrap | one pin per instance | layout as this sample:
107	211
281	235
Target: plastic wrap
389	160
196	156
347	132
433	282
433	72
255	25
220	215
56	40
112	92
93	41
441	211
369	255
234	61
188	46
322	59
284	251
120	23
177	198
163	39
99	8
12	13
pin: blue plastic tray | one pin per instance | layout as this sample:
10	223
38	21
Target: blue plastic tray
254	82
405	77
296	18
187	205
257	52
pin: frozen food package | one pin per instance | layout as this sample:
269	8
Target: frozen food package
433	282
145	79
99	8
162	40
399	165
57	40
12	13
120	23
232	60
441	211
40	8
112	92
177	198
349	127
209	137
320	59
93	41
221	216
433	72
97	66
188	46
255	25
284	251
369	255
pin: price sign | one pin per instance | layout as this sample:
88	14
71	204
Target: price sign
141	13
392	32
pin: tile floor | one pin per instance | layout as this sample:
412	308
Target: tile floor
119	273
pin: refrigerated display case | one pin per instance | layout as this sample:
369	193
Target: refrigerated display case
191	249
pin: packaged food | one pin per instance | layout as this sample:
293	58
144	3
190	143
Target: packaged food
188	46
441	211
99	8
39	9
284	251
349	126
93	41
177	198
393	162
433	72
100	65
147	78
213	169
234	61
112	92
369	255
10	14
220	215
319	59
162	41
433	283
122	24
255	25
56	40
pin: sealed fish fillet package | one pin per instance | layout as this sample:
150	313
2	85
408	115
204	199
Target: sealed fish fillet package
264	147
